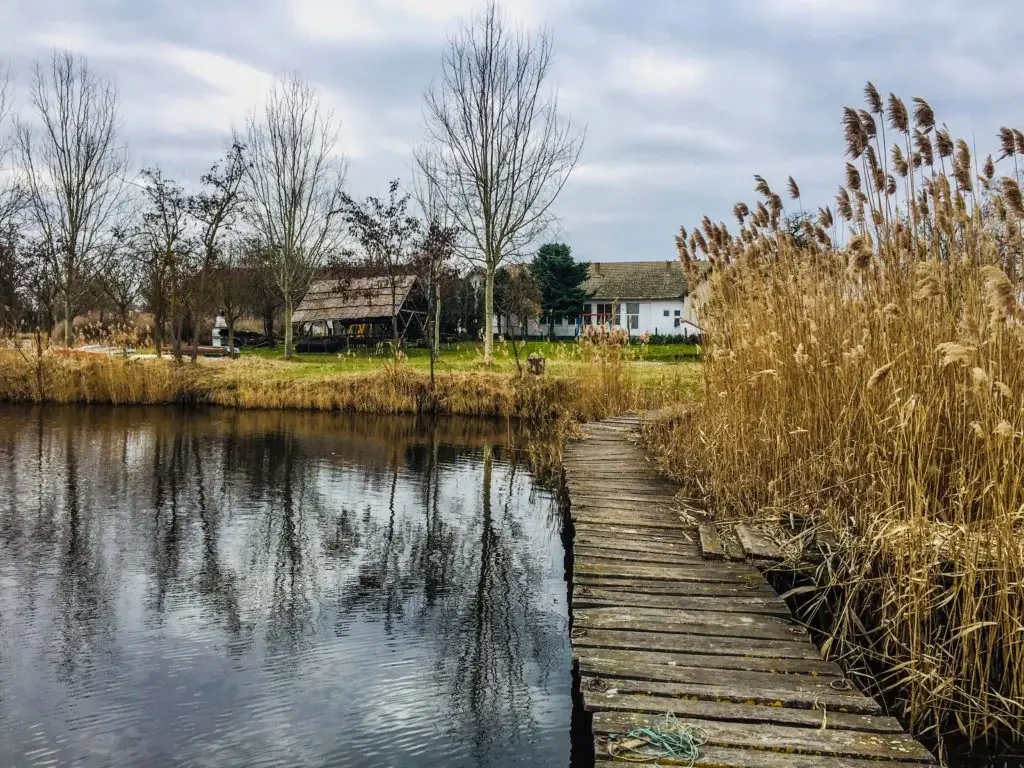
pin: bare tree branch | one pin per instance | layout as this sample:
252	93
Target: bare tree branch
499	147
294	186
74	168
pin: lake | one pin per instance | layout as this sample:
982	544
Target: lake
242	588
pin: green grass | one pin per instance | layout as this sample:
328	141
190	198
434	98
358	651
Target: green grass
467	356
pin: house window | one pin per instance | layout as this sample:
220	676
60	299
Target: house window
677	313
588	314
633	316
677	322
604	314
666	313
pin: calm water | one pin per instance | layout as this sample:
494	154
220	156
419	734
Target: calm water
219	588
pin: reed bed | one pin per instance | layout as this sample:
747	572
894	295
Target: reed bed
864	371
601	381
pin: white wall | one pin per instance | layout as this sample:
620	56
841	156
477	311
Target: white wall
652	319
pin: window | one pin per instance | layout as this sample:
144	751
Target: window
666	313
677	315
633	316
677	322
588	314
604	314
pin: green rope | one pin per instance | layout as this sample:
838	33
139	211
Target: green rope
665	737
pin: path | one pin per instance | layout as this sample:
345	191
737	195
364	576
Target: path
658	628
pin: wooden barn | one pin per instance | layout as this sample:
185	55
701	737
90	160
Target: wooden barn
336	312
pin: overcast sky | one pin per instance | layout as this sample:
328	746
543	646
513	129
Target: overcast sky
683	100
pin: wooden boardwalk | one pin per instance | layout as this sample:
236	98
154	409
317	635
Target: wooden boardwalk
657	628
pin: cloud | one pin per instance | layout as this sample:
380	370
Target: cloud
408	21
657	73
684	100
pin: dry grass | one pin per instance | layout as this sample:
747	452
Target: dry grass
603	380
878	389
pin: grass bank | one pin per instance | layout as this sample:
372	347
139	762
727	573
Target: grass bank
876	388
587	382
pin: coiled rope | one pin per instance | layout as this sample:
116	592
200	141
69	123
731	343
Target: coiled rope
665	737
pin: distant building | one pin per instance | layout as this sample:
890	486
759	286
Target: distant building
360	309
643	296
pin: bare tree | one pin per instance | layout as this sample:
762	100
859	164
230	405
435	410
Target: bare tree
74	168
121	278
432	265
215	210
236	279
440	242
171	255
294	188
498	145
12	194
387	234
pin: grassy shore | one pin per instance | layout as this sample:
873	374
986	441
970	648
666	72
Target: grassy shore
582	381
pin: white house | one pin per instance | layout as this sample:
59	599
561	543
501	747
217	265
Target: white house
644	296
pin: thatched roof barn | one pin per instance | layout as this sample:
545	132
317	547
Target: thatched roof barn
360	306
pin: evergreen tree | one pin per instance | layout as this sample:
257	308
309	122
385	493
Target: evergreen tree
560	278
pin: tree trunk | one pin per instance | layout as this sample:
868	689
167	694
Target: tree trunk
436	341
287	328
394	317
551	328
176	337
231	337
69	323
195	339
158	333
489	315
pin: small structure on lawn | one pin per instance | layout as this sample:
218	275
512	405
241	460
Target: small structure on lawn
336	312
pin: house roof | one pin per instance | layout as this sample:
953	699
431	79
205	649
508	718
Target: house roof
618	280
361	298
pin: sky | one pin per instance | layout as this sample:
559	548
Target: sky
682	101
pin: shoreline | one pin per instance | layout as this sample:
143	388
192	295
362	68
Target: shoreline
589	391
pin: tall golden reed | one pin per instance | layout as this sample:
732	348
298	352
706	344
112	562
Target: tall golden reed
864	369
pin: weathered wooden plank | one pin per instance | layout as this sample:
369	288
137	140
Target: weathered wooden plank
615	700
682	588
612	516
596	554
832	741
725	757
644	544
757	545
817	667
725	572
710	542
733	548
684	622
623	529
684	643
792	691
587	597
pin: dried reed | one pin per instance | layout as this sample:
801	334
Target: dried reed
893	413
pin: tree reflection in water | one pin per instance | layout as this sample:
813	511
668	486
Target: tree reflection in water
305	548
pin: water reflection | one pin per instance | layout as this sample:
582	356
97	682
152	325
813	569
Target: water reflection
246	588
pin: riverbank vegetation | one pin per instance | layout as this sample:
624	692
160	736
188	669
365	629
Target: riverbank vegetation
587	380
864	373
